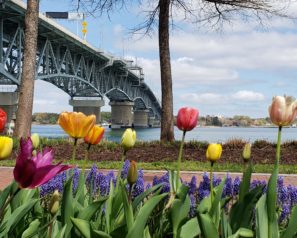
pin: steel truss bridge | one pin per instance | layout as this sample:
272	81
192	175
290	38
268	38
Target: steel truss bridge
70	63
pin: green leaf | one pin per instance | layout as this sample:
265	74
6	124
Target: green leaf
242	232
261	218
82	226
81	189
207	227
291	228
4	195
100	234
143	215
190	229
147	232
17	215
180	208
128	211
88	212
67	210
143	195
226	228
246	207
33	228
245	183
215	211
205	205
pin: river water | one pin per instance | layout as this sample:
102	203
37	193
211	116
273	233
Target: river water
209	134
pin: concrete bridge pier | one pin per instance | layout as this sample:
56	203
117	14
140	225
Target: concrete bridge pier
141	118
154	122
88	106
9	103
121	114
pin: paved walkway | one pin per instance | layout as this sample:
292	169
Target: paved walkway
6	176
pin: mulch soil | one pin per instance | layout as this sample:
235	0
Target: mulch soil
262	152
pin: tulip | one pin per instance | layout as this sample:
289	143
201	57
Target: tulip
246	153
6	144
76	124
128	139
132	173
95	135
3	118
35	140
214	152
187	118
32	172
283	110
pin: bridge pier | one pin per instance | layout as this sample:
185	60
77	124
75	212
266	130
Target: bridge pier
141	118
154	122
121	114
88	107
9	103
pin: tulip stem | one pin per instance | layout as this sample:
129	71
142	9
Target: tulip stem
74	151
130	194
179	160
278	146
211	181
7	203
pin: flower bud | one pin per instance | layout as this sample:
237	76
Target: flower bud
132	173
128	139
6	144
54	203
3	118
283	110
214	152
246	153
35	140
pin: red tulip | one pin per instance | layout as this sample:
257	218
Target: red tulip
187	118
3	118
32	172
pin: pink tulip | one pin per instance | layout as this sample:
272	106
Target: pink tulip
187	118
32	172
283	110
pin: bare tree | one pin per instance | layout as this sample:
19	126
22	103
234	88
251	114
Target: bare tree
26	91
211	12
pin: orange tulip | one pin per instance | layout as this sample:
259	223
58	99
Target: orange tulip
95	135
76	124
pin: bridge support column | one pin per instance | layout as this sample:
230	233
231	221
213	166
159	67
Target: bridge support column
88	106
154	122
121	114
141	118
9	103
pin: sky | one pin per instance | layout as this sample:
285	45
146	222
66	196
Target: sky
233	70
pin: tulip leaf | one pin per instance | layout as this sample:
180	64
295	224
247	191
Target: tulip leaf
143	215
67	210
242	232
215	211
205	205
17	215
190	229
143	195
81	189
82	226
245	207
208	228
180	208
32	229
88	212
61	232
225	225
4	195
128	211
291	228
245	183
261	218
100	234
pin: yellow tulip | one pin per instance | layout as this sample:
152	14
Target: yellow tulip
6	145
128	139
246	153
35	140
76	124
214	152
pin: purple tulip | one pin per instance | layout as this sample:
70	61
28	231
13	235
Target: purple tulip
32	172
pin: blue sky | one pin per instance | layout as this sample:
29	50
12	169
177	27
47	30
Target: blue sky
234	71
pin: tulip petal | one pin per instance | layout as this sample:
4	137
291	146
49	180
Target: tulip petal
26	149
43	159
46	173
24	172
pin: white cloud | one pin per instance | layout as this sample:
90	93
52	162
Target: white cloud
204	98
245	95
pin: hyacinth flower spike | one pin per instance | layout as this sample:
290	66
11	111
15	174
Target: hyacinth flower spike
32	172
